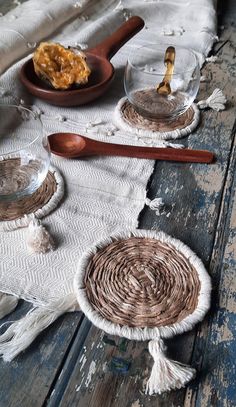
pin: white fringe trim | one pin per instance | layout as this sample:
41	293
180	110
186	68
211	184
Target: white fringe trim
23	332
155	135
143	334
7	304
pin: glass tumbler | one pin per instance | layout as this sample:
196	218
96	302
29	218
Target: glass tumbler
145	70
24	152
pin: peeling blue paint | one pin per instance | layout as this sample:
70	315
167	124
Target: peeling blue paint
119	365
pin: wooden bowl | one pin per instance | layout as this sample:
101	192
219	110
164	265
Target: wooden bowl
98	59
99	81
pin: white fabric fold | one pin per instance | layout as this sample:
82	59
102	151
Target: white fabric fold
185	22
29	23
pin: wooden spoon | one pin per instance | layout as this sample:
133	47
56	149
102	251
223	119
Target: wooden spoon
72	145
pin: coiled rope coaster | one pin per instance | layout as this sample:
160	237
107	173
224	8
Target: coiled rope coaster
128	119
27	211
145	285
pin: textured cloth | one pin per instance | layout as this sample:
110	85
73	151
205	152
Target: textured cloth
106	194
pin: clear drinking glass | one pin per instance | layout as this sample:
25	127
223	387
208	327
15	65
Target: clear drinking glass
145	70
24	152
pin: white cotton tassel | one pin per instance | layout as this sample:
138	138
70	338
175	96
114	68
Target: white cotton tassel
22	333
7	304
203	78
216	101
213	58
166	374
39	240
155	204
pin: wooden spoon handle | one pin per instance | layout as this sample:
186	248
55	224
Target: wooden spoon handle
112	44
166	154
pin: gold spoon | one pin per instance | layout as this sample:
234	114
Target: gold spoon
164	87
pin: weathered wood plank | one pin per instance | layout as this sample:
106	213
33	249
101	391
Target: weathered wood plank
215	346
26	381
111	371
215	350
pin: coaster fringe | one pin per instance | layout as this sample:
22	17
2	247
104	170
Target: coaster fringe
166	374
22	333
7	304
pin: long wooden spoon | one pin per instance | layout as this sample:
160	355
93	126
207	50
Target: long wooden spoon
72	145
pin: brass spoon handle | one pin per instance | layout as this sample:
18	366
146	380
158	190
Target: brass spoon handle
164	87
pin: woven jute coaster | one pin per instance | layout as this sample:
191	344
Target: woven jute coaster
145	285
145	276
46	198
128	119
29	204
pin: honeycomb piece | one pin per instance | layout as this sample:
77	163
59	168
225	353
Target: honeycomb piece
60	66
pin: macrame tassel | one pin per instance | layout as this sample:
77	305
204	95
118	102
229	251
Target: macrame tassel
216	101
166	374
22	333
39	240
155	204
7	304
213	58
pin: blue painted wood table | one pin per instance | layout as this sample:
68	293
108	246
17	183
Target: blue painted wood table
75	364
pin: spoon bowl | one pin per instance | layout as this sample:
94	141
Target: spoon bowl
71	145
68	145
102	71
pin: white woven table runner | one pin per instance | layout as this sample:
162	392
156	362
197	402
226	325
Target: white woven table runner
103	195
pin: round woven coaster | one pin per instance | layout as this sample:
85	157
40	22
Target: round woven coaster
41	202
128	119
142	280
145	285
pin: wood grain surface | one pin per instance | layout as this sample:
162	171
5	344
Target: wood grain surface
73	364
